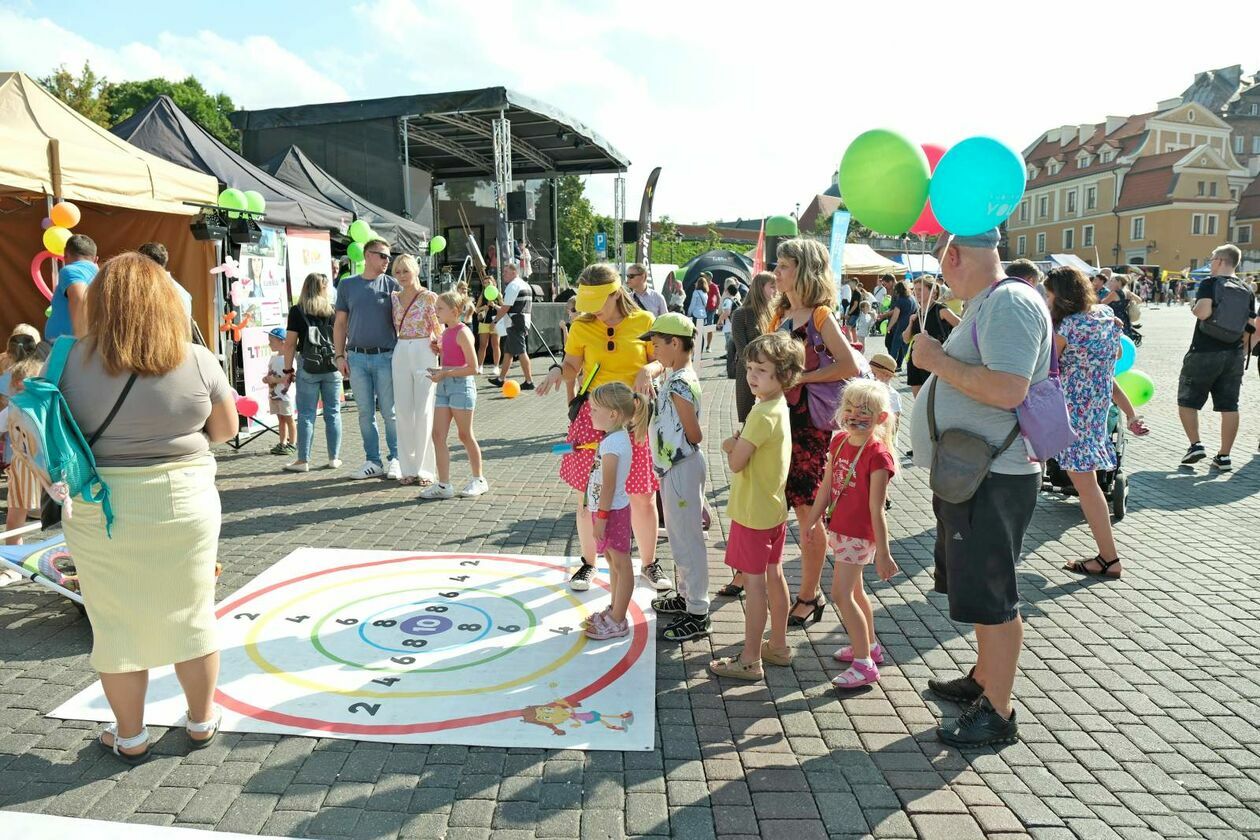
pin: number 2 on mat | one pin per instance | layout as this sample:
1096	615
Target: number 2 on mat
371	709
250	616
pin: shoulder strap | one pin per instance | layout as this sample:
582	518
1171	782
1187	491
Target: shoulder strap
820	316
931	418
57	359
113	411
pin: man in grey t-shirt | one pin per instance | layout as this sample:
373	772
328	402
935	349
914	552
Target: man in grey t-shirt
979	376
364	338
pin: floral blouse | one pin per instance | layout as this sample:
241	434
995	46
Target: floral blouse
419	320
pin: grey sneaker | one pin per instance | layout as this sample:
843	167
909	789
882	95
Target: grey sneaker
437	490
980	726
963	689
653	574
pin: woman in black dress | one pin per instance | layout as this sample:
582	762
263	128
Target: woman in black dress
749	321
898	315
934	318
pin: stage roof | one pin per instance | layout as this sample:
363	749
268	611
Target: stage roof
449	134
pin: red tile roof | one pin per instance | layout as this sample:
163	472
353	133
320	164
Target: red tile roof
1249	202
1149	181
1127	137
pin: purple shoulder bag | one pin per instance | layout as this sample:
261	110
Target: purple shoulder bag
1043	416
824	397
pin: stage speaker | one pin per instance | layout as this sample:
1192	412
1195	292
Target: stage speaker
630	232
519	207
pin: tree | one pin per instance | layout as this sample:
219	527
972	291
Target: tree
577	224
86	93
210	110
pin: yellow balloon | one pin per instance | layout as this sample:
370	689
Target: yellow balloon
55	239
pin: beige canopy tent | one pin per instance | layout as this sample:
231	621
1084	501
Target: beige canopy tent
862	259
126	196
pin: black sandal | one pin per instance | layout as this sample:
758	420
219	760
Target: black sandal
730	590
1081	567
818	603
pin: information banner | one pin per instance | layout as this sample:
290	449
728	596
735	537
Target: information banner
263	291
255	356
309	252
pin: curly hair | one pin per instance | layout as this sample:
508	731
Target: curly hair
1073	293
780	350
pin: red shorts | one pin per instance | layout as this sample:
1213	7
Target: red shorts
575	466
753	550
616	531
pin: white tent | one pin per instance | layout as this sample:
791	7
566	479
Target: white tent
862	259
1073	261
920	263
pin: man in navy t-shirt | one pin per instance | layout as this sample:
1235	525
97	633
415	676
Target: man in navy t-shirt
69	301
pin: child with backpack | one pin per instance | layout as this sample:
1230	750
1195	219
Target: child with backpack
22	359
852	494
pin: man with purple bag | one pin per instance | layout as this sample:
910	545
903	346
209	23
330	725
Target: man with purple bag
967	410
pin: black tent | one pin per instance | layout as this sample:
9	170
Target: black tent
294	168
162	129
720	263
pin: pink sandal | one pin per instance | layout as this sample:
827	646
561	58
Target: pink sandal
845	654
1138	428
857	676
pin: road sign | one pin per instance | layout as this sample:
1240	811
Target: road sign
601	245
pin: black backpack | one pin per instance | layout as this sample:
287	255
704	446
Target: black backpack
317	346
1231	309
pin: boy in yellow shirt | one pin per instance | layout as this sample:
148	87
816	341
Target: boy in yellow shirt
759	456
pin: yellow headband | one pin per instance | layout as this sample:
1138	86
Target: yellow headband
590	299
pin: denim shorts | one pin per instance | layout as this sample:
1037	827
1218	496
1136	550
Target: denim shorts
458	392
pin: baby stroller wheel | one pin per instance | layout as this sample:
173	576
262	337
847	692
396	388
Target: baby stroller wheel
1119	495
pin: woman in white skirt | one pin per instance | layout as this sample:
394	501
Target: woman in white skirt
148	578
416	323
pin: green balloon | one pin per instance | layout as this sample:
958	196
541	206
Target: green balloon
358	266
48	312
781	226
355	251
884	181
437	244
255	203
1137	386
360	231
233	199
491	293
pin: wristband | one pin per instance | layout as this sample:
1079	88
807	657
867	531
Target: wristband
289	370
601	514
556	367
340	356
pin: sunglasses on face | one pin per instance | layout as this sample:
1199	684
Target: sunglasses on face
381	254
633	276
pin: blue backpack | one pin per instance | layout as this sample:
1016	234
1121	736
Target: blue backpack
61	453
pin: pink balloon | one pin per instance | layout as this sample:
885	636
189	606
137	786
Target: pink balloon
934	154
926	224
37	272
246	407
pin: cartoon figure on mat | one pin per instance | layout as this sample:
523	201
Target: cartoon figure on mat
553	715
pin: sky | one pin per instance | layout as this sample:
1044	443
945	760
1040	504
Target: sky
747	112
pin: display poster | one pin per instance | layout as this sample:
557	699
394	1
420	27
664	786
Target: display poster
309	251
263	292
255	356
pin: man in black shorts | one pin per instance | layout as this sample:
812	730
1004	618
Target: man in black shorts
1213	366
516	306
975	385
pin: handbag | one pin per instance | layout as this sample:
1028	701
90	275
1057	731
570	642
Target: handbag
50	508
1043	415
824	397
961	460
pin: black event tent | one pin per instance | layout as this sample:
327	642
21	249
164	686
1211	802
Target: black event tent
162	129
294	168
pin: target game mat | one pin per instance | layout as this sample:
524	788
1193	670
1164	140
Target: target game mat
422	647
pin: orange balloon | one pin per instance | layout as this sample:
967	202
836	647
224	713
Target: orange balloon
511	389
64	214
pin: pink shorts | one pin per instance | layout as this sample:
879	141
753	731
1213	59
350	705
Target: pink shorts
616	531
852	550
753	550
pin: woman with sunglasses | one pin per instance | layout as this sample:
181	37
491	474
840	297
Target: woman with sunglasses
606	344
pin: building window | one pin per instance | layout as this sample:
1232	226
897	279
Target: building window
1069	239
1041	243
1105	156
1071	201
1240	144
1196	224
1137	228
1194	263
1202	188
1023	211
1211	224
1091	198
1233	193
1021	245
1043	206
1255	143
1212	189
1244	234
1087	236
1255	109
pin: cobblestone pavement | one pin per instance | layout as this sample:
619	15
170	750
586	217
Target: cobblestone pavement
1139	699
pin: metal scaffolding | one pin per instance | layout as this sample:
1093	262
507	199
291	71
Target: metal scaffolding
619	221
502	133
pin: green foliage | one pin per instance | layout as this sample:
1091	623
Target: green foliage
108	104
577	225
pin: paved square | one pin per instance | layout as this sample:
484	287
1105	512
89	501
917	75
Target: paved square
1139	699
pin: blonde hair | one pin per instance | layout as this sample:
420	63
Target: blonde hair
314	299
758	301
601	274
780	350
21	359
456	300
814	281
872	395
634	408
136	322
410	262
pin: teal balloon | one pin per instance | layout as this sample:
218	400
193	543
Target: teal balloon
255	203
233	199
437	244
1128	355
355	251
360	231
884	181
1137	386
977	185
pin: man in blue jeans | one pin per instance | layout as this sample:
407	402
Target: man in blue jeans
364	339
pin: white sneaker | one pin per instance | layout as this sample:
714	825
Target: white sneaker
334	464
487	370
476	487
437	490
368	470
394	473
298	466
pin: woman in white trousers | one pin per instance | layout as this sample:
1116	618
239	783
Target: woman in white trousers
418	332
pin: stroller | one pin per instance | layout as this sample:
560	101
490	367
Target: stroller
1114	483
